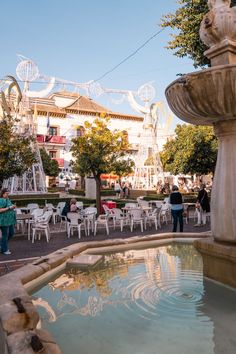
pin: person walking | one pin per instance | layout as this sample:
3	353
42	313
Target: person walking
7	220
202	205
117	189
176	202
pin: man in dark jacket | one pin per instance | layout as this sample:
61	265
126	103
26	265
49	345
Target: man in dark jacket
204	205
176	202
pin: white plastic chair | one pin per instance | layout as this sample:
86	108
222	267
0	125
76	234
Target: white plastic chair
101	220
42	224
90	217
143	203
154	215
131	205
73	223
32	206
62	218
165	213
36	213
50	206
80	205
136	217
20	223
120	217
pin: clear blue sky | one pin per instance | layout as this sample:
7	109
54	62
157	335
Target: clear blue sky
81	40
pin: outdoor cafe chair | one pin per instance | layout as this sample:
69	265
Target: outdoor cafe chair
90	217
32	206
143	203
42	225
62	218
50	206
80	205
101	220
119	217
154	215
108	212
165	213
136	217
131	205
20	223
75	221
36	213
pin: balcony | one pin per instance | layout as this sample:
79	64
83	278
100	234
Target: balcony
60	161
51	139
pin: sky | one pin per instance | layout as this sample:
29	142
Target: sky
81	40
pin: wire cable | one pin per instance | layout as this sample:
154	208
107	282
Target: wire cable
129	56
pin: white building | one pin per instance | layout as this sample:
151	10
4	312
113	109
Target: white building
61	117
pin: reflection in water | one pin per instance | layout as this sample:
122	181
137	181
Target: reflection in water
154	294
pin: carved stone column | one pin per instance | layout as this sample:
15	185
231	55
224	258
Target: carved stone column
223	201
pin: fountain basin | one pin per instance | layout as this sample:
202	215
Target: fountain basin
204	97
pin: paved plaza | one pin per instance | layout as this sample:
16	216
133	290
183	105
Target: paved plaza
23	251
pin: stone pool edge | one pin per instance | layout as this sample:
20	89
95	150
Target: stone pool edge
18	323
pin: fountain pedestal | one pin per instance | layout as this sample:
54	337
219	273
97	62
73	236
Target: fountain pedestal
208	97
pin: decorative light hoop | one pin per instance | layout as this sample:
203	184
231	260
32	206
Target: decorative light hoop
27	70
146	92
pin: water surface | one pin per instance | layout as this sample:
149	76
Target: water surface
140	302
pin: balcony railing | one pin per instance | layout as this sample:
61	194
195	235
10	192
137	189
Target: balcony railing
60	161
51	139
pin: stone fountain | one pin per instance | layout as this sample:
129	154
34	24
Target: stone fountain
208	97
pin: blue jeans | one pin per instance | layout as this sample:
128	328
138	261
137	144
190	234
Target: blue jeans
177	216
7	233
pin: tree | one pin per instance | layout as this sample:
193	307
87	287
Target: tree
193	151
100	150
186	20
50	166
16	154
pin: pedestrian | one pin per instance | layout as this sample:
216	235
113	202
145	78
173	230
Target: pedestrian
202	205
7	220
73	206
176	202
117	189
66	208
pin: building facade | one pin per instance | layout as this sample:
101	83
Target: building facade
60	117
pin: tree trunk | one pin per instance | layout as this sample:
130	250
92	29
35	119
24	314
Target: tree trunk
98	194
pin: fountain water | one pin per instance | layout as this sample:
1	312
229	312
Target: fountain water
208	97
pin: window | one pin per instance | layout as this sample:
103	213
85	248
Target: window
80	131
52	154
53	131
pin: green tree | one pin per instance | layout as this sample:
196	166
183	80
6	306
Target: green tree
186	22
50	166
99	151
193	151
16	154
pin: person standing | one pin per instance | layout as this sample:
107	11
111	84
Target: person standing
7	220
176	202
202	205
117	189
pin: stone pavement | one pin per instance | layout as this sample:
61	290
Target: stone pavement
23	251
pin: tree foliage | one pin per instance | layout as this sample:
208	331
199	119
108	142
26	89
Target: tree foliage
193	151
16	154
50	166
99	151
186	21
